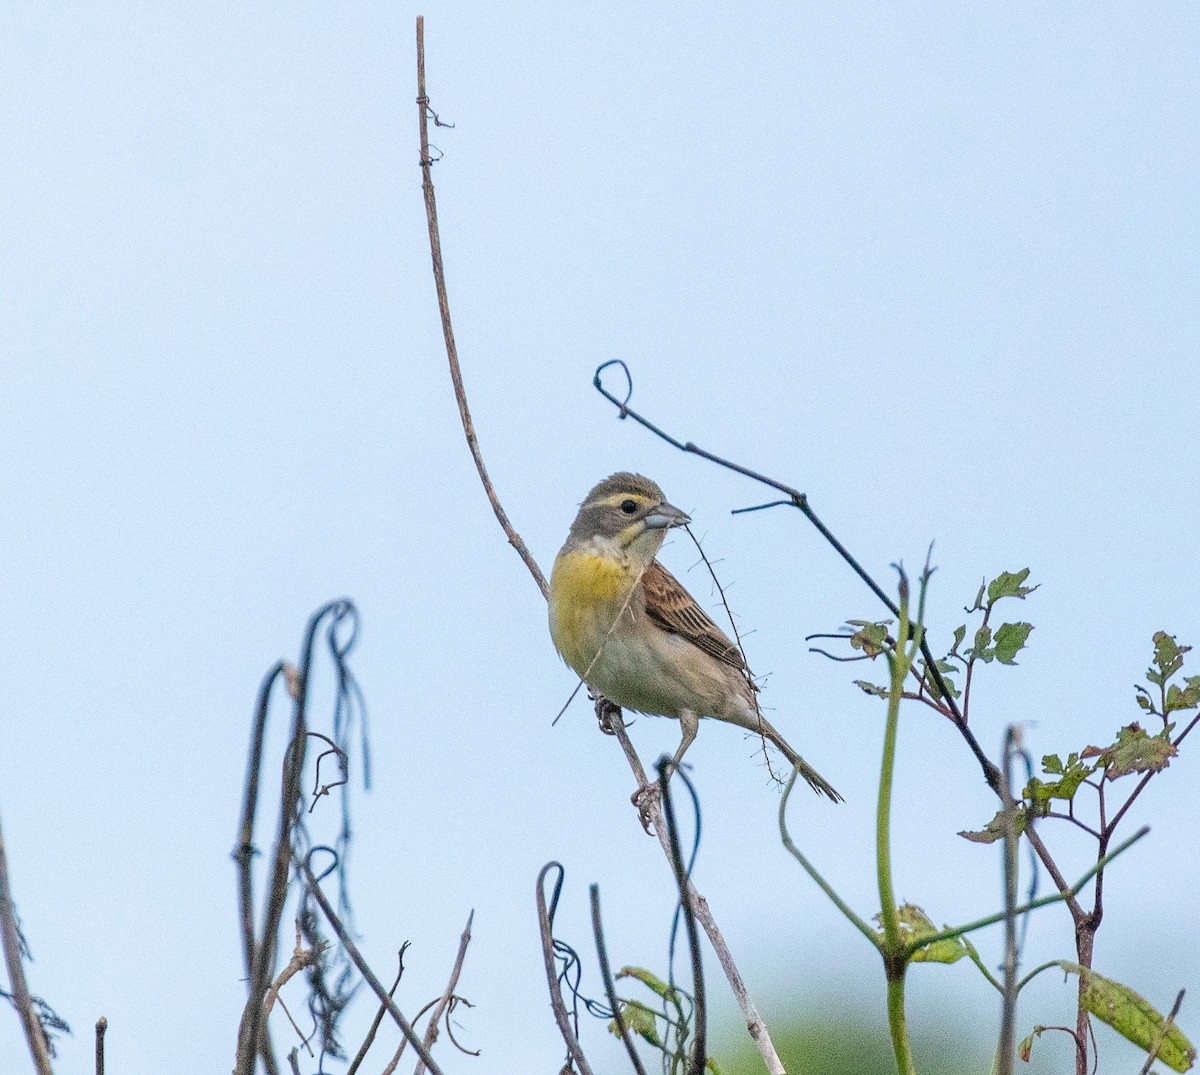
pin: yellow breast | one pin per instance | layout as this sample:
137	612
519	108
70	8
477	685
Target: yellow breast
587	590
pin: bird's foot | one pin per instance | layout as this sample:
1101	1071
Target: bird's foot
646	798
609	716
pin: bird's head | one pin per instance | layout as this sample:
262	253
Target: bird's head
626	512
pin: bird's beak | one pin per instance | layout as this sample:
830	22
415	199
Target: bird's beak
665	516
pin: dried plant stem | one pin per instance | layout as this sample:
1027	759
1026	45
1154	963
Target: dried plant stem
699	905
374	1029
301	957
439	278
35	1036
431	1032
364	968
754	1023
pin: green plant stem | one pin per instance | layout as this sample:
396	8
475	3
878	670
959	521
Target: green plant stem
898	1023
891	947
862	926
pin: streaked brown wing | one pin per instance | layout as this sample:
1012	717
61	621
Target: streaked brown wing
670	606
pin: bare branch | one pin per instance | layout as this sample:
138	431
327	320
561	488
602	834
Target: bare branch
431	1031
439	278
10	934
364	968
367	1041
301	957
699	906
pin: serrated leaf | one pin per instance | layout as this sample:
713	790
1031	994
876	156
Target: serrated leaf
871	688
1010	639
979	648
1133	1016
871	638
1070	776
1187	698
1008	584
1135	751
994	829
1168	657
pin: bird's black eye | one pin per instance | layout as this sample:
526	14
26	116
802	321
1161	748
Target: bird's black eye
629	506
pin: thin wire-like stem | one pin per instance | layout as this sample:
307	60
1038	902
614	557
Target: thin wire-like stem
10	936
444	1000
546	929
439	277
610	990
799	500
364	968
699	1048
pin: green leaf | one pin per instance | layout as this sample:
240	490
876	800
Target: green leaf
1070	776
994	829
931	684
1010	638
915	924
650	980
1133	1016
979	650
959	634
1188	698
639	1020
1008	584
978	603
1135	751
872	688
1025	1049
1168	658
871	638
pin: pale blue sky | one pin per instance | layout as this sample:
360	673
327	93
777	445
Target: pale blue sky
935	264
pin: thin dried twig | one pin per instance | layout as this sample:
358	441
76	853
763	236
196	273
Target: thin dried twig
10	934
754	1023
439	277
301	957
364	968
361	1055
699	907
431	1032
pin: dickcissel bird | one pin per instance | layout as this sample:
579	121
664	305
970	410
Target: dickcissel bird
635	635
